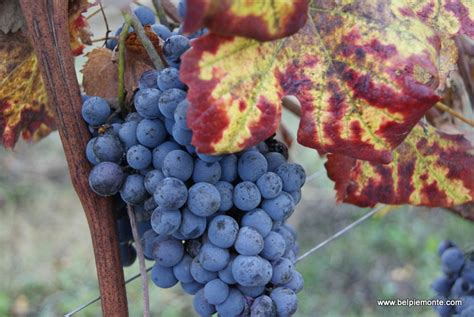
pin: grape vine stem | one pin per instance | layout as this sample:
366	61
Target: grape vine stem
160	11
141	261
455	114
121	67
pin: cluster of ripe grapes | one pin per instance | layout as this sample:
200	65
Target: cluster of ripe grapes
214	224
457	282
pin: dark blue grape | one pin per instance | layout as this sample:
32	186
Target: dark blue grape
106	179
274	160
148	79
145	15
251	166
164	221
146	103
174	47
203	199
163	276
270	185
147	243
226	274
213	258
192	287
192	226
169	100
138	157
248	242
223	231
285	301
296	196
151	133
200	274
128	134
226	191
229	168
182	136
282	271
452	260
296	283
251	291
292	175
251	270
201	305
107	148
169	78
170	193
206	172
112	42
274	246
182	8
178	164
246	196
259	220
442	285
182	270
180	114
263	307
162	31
468	312
216	291
160	152
168	252
280	207
233	305
128	254
169	124
288	236
90	153
209	158
95	110
461	288
152	178
133	190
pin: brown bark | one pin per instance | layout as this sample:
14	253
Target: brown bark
47	23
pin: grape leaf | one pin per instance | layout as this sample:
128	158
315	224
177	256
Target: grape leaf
24	109
429	168
262	20
364	78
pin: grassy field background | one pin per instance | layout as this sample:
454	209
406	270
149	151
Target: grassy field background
47	264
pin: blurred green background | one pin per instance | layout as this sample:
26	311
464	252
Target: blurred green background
47	265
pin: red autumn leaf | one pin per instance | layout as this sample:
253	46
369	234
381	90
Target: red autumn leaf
429	168
262	20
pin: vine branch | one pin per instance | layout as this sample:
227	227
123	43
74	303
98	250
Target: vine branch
455	114
160	11
121	67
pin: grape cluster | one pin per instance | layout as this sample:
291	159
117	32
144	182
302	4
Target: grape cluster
214	224
457	281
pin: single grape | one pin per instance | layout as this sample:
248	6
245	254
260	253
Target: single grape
213	258
233	305
274	246
251	270
147	243
124	229
192	287
246	196
164	221
146	103
145	15
169	78
148	79
263	307
138	157
226	274
270	185
296	282
296	196
95	110
251	291
285	301
274	160
133	116
280	207
107	148
163	276
151	133
442	285
201	305
162	31
168	252
452	260
152	178
175	46
252	165
292	175
180	114
178	164
182	270
229	168
169	100
259	220
226	191
288	236
216	291
203	199
169	124
128	254
182	136
200	274
461	288
248	242
192	226
206	172
209	158
106	178
90	153
133	190
282	271
160	152
128	134
170	193
223	231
